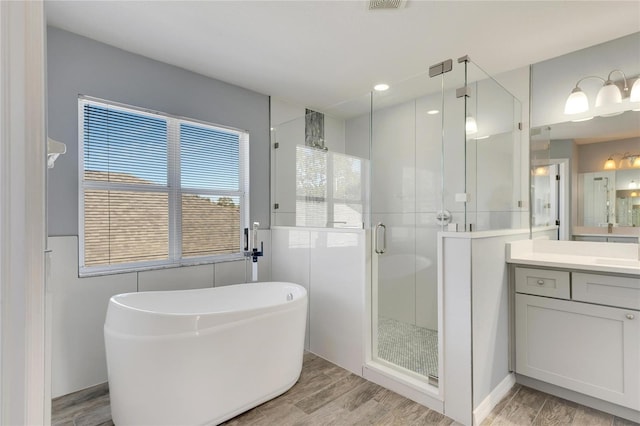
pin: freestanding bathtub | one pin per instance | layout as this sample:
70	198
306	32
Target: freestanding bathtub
203	356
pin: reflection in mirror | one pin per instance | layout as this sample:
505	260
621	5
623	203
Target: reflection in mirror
604	156
599	146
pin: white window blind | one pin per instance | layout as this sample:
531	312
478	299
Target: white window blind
158	190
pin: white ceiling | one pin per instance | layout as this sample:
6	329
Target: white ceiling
319	53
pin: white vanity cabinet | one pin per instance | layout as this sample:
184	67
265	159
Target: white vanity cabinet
579	331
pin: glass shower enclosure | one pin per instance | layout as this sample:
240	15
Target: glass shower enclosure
440	152
447	160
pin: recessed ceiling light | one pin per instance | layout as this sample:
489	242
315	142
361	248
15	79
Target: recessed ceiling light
380	87
433	112
482	137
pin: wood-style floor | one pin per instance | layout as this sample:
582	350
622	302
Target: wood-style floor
329	395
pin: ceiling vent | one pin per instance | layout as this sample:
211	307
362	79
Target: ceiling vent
386	4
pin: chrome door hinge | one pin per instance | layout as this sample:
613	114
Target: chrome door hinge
441	68
463	91
276	206
276	145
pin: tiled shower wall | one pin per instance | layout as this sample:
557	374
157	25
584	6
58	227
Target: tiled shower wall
331	265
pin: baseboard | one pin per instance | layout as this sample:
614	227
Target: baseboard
482	411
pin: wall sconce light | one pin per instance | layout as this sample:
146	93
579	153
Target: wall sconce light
635	92
577	101
609	94
633	161
610	164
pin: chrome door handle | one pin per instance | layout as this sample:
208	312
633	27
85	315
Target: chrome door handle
381	249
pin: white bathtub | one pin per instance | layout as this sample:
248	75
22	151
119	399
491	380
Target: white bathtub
202	356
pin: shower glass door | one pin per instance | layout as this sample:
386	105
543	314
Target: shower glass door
407	199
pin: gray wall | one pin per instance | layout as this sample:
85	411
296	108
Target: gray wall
591	157
78	65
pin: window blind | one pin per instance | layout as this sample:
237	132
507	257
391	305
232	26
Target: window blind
157	189
123	146
211	190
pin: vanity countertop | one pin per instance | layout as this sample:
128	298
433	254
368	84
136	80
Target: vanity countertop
616	258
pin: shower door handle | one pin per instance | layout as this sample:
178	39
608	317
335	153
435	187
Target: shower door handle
380	249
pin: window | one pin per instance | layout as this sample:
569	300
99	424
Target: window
158	190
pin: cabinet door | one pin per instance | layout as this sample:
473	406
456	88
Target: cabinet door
594	350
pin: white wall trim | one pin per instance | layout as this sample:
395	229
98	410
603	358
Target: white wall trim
22	213
482	411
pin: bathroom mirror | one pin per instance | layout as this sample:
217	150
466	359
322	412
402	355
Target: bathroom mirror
600	195
597	155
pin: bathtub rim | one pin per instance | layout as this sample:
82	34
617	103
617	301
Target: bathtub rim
117	303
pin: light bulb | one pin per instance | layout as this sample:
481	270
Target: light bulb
577	102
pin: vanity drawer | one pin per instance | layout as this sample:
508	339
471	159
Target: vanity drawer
622	292
543	282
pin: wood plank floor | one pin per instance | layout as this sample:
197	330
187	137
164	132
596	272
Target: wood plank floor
329	395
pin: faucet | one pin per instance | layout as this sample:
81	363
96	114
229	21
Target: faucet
254	253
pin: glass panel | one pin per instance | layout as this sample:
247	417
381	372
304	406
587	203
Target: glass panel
407	198
210	225
493	154
288	136
124	226
349	185
311	187
320	168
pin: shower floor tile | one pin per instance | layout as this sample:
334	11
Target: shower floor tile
408	346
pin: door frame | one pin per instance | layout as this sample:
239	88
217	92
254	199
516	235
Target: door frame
23	371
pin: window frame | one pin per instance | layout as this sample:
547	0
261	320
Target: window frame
173	189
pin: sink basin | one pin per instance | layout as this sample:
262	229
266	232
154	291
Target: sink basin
619	262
